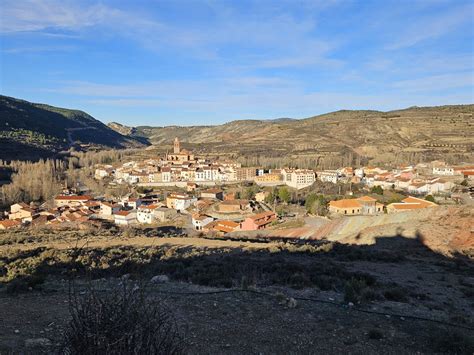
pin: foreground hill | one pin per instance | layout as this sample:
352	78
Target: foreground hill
415	133
31	131
386	293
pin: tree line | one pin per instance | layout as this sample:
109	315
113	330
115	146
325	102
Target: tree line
38	181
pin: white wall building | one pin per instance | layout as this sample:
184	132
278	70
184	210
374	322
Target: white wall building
443	170
299	178
125	218
145	214
329	176
200	221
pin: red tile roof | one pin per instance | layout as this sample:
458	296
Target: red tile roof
10	223
346	203
226	226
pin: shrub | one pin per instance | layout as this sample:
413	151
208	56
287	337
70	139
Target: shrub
430	198
353	290
377	190
375	334
120	321
396	294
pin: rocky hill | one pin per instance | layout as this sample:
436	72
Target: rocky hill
31	131
415	133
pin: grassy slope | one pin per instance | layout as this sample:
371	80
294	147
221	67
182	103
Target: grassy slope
31	131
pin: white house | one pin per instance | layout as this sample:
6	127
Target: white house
103	172
108	209
439	186
166	174
180	202
131	202
328	176
199	175
299	178
200	221
359	172
125	218
145	214
402	183
419	188
443	170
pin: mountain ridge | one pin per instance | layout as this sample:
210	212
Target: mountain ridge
433	132
30	131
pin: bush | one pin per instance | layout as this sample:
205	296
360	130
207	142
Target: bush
430	198
353	290
120	321
377	190
375	334
396	294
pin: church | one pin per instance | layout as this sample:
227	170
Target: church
179	155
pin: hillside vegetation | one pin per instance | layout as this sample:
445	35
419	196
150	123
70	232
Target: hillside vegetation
31	131
413	134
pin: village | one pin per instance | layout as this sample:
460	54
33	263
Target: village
221	197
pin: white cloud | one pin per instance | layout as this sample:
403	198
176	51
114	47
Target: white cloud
437	82
431	27
259	97
274	37
38	49
38	15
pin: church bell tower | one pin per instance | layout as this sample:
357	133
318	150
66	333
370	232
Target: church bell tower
177	147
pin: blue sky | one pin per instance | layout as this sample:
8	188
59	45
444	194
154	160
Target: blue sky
208	62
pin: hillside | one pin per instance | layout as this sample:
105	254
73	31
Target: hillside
31	131
416	133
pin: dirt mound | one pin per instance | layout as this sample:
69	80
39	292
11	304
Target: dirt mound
450	229
444	229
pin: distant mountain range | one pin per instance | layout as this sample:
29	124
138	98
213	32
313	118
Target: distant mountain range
29	131
444	132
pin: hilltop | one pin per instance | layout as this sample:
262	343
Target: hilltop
29	131
415	133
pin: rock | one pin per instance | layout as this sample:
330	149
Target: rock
350	304
125	277
37	342
292	303
160	279
16	331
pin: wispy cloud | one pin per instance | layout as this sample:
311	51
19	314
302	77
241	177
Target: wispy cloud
434	26
252	96
39	15
238	59
277	41
437	82
39	49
